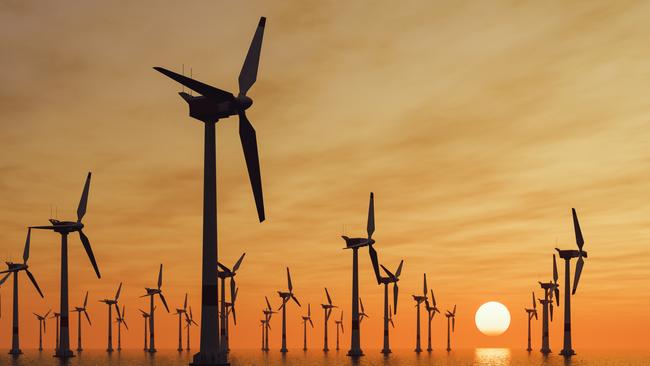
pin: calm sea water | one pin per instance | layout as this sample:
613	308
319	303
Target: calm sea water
477	357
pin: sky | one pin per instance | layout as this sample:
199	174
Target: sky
478	126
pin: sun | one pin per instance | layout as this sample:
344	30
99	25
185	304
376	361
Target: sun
492	318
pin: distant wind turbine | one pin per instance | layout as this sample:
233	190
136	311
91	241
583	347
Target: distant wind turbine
450	315
145	316
419	299
339	323
41	328
180	312
79	310
111	303
391	278
189	321
121	319
152	292
327	308
431	310
286	296
532	313
306	319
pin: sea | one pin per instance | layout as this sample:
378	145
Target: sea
466	357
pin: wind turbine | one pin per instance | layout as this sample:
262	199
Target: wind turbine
268	312
79	310
41	328
180	313
327	308
111	303
392	278
189	320
306	319
339	323
145	316
230	309
567	255
121	320
15	268
223	273
531	313
419	299
263	326
355	244
151	292
550	289
431	310
450	315
211	105
64	228
56	317
286	296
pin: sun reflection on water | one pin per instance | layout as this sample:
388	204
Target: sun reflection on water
492	357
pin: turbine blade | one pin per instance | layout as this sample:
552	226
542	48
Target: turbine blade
296	300
31	278
86	299
576	225
375	262
89	252
425	285
361	302
371	216
197	86
268	304
555	275
163	301
185	302
289	285
395	294
576	279
308	310
26	251
557	295
117	294
433	299
551	311
5	278
87	317
248	74
453	323
389	273
160	276
236	266
83	202
232	289
234	315
249	145
117	309
310	322
329	299
399	269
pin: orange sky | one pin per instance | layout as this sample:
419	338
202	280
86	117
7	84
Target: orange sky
478	126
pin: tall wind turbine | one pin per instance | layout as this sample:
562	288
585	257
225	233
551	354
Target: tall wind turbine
306	319
355	244
550	289
532	313
224	273
64	228
41	328
121	320
145	316
79	310
567	255
180	312
419	299
327	308
189	321
268	312
211	105
286	296
391	278
111	303
339	323
450	315
431	310
151	292
15	268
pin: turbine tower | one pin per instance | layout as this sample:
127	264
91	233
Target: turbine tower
550	289
392	278
532	313
268	312
111	303
567	255
180	313
355	244
151	292
306	319
41	328
121	320
211	105
339	323
431	310
145	316
223	273
263	326
286	296
15	268
327	309
419	299
56	317
79	310
64	228
450	315
189	320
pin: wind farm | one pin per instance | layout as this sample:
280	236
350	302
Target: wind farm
499	148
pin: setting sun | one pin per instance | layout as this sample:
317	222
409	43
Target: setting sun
492	318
